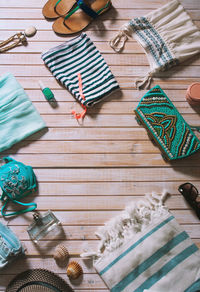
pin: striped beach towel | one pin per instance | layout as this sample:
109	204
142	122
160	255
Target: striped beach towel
80	67
145	249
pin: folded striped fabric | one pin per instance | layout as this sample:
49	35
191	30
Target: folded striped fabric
145	249
77	63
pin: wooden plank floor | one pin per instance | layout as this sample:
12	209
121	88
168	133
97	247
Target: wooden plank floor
88	173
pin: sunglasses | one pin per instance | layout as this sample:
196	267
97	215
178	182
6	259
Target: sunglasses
191	194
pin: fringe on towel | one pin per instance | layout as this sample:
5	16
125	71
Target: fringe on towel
132	220
118	42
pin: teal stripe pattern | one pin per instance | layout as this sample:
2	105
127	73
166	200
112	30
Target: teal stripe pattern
168	267
80	55
154	43
137	243
149	262
194	287
156	257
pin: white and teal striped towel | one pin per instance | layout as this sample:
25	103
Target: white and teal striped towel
80	56
145	249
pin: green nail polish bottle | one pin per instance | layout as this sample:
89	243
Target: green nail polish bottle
47	92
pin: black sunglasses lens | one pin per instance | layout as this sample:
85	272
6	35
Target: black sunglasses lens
188	189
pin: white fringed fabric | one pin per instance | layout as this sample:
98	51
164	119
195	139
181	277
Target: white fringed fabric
133	220
145	248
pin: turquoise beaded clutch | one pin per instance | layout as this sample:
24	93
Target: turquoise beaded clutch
166	126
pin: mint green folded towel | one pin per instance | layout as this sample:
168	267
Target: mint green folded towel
18	117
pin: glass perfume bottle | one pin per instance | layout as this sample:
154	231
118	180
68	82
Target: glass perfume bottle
44	225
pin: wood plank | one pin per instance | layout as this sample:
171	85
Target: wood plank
96	218
100	134
71	233
64	147
99	147
37	263
51	37
92	203
133	188
152	4
124	82
106	121
120	13
119	174
67	120
111	121
104	160
96	25
93	134
136	59
106	108
36	13
37	49
34	4
111	59
42	71
132	95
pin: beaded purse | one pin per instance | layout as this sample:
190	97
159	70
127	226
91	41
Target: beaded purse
166	126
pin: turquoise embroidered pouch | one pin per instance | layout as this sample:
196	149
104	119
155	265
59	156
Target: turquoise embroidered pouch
166	125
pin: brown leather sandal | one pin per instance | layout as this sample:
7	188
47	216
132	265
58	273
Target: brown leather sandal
56	8
79	17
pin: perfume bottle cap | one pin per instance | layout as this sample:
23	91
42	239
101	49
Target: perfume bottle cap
36	216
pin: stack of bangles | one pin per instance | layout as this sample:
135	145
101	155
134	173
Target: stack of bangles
193	94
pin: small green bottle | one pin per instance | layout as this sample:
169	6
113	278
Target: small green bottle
47	92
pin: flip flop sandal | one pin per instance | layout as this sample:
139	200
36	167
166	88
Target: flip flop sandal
75	21
56	8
